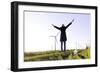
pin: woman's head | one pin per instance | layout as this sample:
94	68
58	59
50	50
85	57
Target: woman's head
63	25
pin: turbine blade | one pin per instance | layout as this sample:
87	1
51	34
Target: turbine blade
57	34
51	36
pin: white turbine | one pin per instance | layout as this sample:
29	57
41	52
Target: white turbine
55	37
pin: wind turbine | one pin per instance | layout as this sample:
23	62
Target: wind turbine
55	37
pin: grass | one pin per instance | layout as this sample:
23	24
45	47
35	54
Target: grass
57	55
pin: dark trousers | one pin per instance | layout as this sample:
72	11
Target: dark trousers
63	43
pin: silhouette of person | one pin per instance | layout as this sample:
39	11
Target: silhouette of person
63	37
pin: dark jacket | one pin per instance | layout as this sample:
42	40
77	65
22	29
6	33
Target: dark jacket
63	32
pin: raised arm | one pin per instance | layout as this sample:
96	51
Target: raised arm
70	23
56	27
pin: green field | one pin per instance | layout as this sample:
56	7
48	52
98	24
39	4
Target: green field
57	55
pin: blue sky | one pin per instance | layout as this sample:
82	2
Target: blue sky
38	28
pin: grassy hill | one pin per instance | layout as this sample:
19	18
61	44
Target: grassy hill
57	55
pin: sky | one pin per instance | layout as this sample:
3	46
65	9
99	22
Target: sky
38	29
